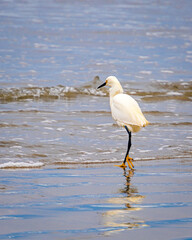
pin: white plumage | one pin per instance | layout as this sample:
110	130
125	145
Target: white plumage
125	111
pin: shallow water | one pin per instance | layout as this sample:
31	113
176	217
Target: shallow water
79	128
54	54
154	202
51	112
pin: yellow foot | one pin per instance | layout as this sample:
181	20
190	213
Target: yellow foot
129	162
122	165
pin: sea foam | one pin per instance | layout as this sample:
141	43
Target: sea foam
29	164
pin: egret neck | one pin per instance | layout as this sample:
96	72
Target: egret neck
115	89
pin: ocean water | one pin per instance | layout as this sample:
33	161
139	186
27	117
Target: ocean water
101	202
54	55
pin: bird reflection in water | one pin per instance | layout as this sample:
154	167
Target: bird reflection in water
124	216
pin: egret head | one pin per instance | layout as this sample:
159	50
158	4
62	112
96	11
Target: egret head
111	81
114	84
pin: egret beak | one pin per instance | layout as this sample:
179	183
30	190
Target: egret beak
102	85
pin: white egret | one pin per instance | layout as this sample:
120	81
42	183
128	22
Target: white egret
126	112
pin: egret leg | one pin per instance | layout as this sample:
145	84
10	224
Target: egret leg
127	158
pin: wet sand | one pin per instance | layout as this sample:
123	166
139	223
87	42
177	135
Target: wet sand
98	202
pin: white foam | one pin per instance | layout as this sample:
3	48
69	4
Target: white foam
48	128
60	129
17	139
144	151
19	147
143	57
174	94
29	164
162	148
146	72
48	121
166	71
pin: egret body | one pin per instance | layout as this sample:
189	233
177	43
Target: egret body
126	112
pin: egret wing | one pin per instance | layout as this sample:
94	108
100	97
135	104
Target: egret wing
126	111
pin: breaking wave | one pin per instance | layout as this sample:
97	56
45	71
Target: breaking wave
161	91
55	92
